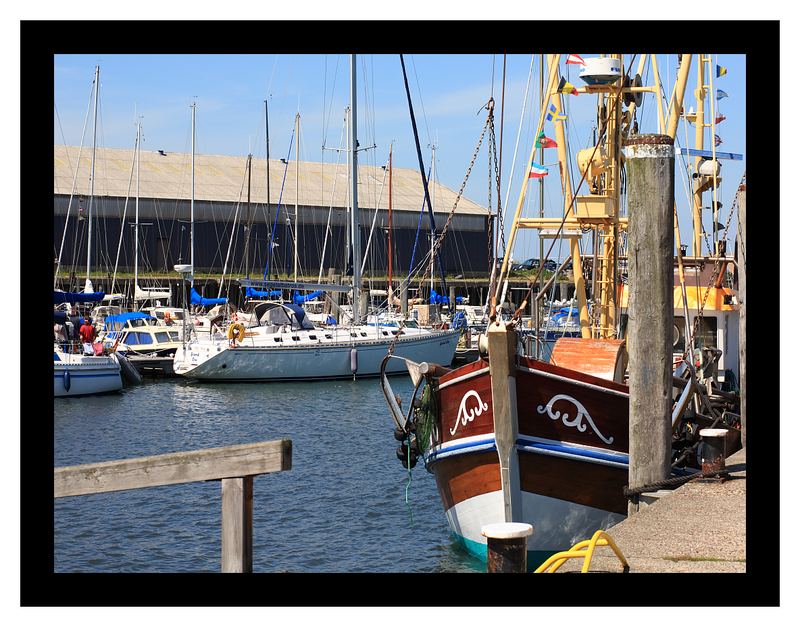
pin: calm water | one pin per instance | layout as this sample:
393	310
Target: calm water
341	508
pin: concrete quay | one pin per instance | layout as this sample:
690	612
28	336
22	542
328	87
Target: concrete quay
699	527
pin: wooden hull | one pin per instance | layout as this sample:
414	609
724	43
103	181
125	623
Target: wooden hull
572	447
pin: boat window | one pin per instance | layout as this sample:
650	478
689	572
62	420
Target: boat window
386	333
296	338
173	335
329	336
352	334
145	338
277	339
162	336
135	338
312	337
395	332
363	334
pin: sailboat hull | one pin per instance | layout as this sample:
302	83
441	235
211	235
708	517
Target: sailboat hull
81	375
212	362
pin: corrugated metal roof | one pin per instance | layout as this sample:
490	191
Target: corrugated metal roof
224	179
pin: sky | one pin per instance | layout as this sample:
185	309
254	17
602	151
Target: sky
449	93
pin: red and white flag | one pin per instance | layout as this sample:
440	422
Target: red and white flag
575	59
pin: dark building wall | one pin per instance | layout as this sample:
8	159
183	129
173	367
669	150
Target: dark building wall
164	239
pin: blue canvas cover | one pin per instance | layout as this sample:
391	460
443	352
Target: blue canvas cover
199	300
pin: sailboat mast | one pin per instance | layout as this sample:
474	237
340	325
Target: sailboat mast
248	223
191	206
269	212
296	189
389	290
433	205
91	180
136	225
354	225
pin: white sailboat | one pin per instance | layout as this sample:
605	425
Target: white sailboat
285	345
75	374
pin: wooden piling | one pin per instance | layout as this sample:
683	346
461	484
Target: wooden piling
404	299
502	347
507	547
650	162
741	262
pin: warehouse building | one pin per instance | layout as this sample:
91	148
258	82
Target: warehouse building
307	200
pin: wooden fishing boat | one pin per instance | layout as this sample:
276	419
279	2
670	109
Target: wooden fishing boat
513	438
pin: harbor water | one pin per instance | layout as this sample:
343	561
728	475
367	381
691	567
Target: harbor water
345	506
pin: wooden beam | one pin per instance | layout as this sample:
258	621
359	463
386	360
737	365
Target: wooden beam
201	465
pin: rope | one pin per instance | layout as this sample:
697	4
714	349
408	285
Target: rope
668	483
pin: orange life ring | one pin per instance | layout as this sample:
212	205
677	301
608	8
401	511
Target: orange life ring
236	332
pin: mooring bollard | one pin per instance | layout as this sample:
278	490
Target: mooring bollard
713	456
507	547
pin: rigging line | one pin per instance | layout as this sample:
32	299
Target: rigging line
74	182
421	101
278	211
234	235
330	106
124	213
328	231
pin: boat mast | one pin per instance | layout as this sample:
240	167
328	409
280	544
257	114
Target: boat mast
191	207
136	225
354	224
433	204
389	289
700	128
88	285
296	189
248	223
269	212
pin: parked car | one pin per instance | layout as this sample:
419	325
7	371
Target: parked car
533	264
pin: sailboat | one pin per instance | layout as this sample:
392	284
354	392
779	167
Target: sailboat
76	374
285	345
560	461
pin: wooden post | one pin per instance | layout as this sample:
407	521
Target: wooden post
741	261
502	345
452	302
237	525
507	547
650	163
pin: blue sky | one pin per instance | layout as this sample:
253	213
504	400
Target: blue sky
448	92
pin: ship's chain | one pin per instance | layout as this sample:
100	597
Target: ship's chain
438	242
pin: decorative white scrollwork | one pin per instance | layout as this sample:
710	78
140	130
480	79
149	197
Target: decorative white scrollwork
576	422
465	415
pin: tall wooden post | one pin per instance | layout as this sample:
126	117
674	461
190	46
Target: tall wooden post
404	298
741	251
237	525
650	161
502	344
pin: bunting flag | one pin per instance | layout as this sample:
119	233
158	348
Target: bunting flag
544	142
721	71
721	94
537	171
719	118
717	140
553	115
575	60
567	88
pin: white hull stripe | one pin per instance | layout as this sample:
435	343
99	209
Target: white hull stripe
477	373
530	445
582	384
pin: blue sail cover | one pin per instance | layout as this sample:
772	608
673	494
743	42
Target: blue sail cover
199	300
438	299
249	292
77	297
299	299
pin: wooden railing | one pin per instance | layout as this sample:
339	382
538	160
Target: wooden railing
235	466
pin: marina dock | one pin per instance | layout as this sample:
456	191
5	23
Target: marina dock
710	538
